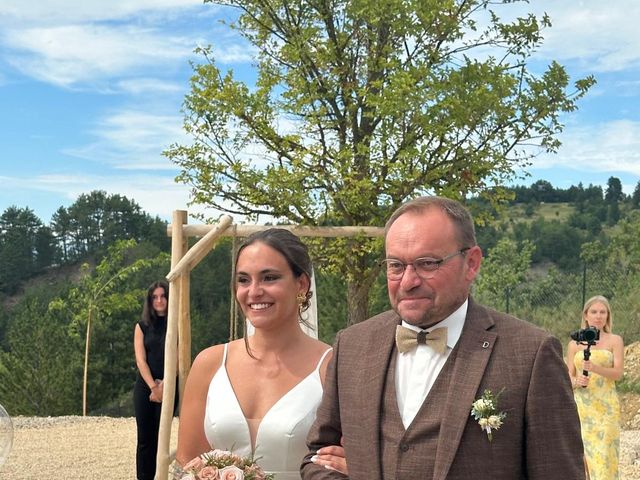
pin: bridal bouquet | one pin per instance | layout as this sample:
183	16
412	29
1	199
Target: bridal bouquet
223	465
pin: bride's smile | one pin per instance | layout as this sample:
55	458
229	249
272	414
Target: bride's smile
264	286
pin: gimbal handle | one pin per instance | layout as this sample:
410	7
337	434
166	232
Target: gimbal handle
586	354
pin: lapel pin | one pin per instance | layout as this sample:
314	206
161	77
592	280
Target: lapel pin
485	344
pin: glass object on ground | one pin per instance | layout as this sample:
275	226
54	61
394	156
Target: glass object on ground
6	435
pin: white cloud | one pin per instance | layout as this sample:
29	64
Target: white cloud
155	195
234	53
150	86
133	140
627	88
56	11
104	46
601	36
606	147
67	55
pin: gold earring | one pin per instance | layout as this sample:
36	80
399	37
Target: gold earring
301	298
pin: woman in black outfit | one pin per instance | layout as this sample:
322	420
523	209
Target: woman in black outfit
148	343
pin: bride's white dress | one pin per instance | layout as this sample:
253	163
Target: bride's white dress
281	436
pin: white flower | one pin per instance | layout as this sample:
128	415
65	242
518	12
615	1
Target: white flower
483	404
484	410
495	421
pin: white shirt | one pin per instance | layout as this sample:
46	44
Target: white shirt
417	369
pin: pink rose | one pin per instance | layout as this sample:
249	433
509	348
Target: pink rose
195	464
231	473
208	473
188	476
258	473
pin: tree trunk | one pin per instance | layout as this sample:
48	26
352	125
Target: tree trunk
358	296
357	302
86	364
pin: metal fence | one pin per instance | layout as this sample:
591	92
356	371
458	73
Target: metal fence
554	300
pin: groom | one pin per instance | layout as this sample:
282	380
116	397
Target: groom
403	411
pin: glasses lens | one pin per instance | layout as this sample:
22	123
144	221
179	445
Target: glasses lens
395	269
426	266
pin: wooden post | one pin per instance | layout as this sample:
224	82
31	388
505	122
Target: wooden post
300	230
170	350
184	326
200	249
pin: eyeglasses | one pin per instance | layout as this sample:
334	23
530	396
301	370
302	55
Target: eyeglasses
425	267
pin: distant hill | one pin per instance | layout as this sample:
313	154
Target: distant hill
52	277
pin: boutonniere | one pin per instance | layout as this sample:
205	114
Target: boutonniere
485	411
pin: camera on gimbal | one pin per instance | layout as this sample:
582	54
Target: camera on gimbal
586	335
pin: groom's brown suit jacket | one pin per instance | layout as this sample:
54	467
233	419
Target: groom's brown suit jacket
539	440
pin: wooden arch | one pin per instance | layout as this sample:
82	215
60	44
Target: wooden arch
183	260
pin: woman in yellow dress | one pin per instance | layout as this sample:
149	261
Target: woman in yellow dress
595	392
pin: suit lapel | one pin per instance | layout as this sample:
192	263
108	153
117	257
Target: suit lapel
378	349
473	352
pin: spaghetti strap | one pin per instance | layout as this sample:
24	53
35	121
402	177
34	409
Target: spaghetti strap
322	358
224	355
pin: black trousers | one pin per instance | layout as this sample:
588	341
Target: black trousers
148	426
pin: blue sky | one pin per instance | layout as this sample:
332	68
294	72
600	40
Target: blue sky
91	91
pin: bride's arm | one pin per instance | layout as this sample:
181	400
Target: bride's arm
192	440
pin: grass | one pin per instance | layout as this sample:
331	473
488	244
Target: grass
549	211
627	385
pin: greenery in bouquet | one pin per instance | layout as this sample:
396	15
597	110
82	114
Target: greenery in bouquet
223	465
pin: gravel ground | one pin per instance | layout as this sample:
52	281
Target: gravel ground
88	448
103	448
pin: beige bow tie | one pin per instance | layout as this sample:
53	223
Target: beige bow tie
407	339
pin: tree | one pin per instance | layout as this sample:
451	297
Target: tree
504	268
543	191
97	294
613	213
39	371
61	228
96	220
21	232
635	197
360	105
614	192
555	241
623	252
45	248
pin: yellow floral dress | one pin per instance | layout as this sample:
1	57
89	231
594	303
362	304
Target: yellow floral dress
599	417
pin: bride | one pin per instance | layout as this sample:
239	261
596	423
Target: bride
258	396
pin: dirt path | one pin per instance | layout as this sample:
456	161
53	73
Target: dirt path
100	448
103	448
